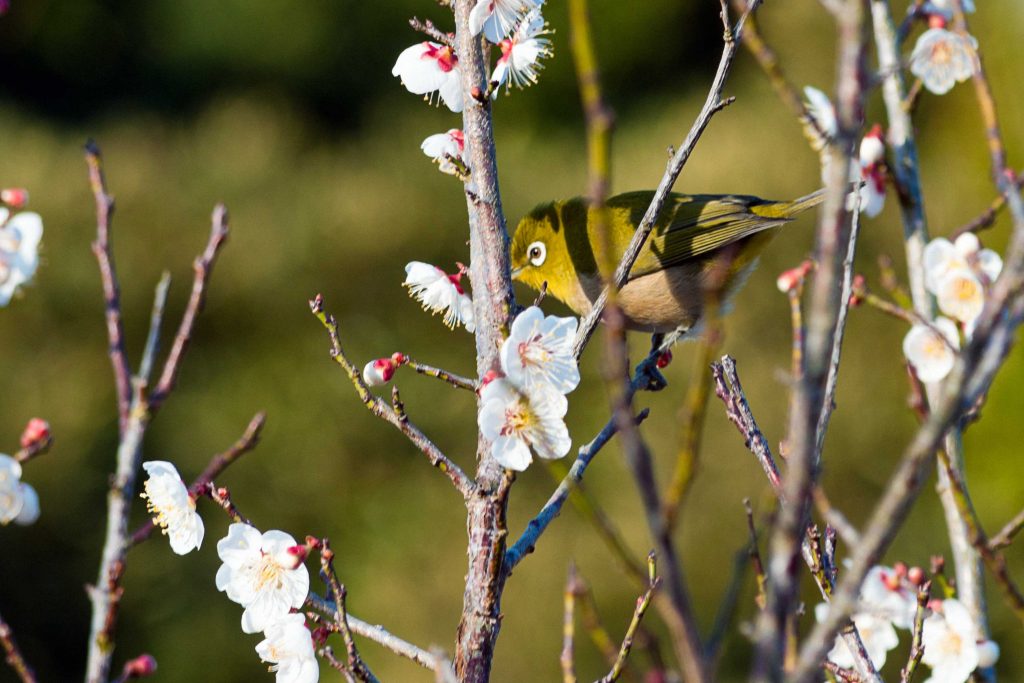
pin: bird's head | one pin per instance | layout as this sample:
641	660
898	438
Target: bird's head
540	251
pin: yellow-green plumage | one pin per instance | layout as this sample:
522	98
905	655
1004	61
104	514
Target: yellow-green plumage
701	246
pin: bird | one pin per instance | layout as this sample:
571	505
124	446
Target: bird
702	248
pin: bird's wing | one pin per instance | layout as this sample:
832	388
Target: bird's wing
694	225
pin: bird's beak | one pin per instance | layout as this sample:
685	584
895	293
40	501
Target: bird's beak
516	272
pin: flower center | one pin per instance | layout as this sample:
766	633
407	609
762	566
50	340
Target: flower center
518	419
965	289
268	572
444	56
935	347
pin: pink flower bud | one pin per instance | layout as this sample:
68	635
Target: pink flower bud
489	377
380	371
37	431
936	21
872	147
664	358
794	277
14	197
140	667
297	555
916	576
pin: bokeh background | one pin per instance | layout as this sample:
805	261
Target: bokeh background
288	113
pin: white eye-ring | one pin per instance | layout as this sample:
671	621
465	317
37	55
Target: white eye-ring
537	253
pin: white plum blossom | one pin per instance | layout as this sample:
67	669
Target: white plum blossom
872	193
262	572
428	67
521	53
886	593
931	355
942	257
517	421
539	351
943	58
441	146
173	509
960	295
872	147
950	643
439	292
288	646
497	18
877	634
19	250
19	502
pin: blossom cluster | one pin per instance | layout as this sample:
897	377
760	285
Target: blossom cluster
432	69
958	274
870	165
888	601
943	58
19	502
19	243
263	572
524	410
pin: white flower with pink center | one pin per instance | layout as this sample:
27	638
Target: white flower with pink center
19	250
521	53
444	147
932	355
497	18
950	641
886	593
942	257
439	292
426	68
520	421
19	502
264	573
173	509
288	647
942	58
538	351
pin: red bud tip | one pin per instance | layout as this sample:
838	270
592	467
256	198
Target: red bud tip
935	606
792	278
399	358
664	359
901	569
891	581
489	377
14	197
299	552
140	667
37	431
916	576
223	492
936	21
320	634
312	542
477	94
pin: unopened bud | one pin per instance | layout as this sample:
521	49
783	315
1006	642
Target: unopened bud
794	277
297	555
14	197
938	564
664	358
916	576
858	290
937	20
380	371
935	606
872	147
489	377
37	432
140	667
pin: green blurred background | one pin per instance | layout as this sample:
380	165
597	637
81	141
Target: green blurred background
288	113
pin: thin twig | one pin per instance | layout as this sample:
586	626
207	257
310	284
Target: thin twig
380	635
14	657
340	616
730	391
202	266
712	104
642	604
108	274
916	647
1006	535
987	218
443	375
539	524
375	405
834	518
155	320
427	27
567	658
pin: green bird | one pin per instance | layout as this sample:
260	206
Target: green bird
702	246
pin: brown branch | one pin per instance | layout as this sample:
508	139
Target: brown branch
104	253
218	463
14	657
443	375
375	405
427	27
340	616
987	218
202	266
1006	535
916	647
642	603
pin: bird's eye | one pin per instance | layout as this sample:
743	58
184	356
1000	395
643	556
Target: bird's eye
537	253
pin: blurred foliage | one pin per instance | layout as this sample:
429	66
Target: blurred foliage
289	114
